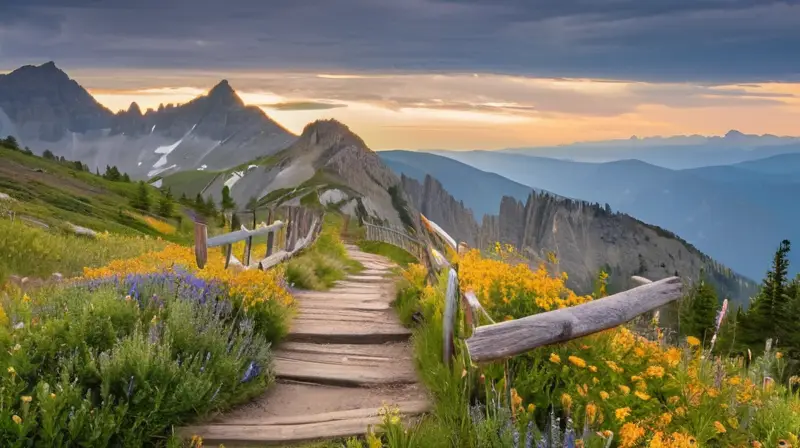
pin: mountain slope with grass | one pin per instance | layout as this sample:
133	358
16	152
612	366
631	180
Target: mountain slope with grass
327	163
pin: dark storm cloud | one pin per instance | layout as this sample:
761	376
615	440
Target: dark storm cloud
712	41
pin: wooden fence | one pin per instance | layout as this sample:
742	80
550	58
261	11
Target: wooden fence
501	340
284	238
395	237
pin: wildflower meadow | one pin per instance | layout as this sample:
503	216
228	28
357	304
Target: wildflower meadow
614	388
122	354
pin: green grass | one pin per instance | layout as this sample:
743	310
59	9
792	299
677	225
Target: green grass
54	193
325	262
188	182
394	253
30	251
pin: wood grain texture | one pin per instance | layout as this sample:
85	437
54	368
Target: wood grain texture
294	429
501	340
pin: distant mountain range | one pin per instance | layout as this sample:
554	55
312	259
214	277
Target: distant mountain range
677	152
45	109
738	214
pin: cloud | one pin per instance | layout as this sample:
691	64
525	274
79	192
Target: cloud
717	41
302	105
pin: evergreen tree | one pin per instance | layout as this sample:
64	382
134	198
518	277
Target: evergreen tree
766	317
142	198
200	205
11	142
165	205
183	199
47	154
78	166
698	316
227	204
125	178
211	207
97	171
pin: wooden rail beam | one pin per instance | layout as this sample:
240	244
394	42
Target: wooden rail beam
505	339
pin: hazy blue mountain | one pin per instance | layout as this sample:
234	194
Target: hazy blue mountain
481	191
739	223
678	152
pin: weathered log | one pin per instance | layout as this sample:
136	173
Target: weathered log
513	337
200	244
241	235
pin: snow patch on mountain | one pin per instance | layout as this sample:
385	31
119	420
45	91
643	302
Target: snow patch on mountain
235	177
158	171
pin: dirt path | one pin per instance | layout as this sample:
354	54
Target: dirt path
346	355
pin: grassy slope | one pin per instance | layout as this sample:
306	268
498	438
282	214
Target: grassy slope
394	253
325	262
57	193
188	182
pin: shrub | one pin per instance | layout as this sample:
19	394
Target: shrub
118	361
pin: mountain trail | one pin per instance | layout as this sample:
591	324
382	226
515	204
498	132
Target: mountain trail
345	357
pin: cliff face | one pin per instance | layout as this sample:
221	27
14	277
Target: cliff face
433	201
585	238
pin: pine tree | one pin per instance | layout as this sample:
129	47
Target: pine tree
142	198
47	154
11	142
227	204
165	205
235	223
211	207
699	314
125	177
183	199
766	316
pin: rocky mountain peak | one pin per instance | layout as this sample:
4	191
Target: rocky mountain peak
134	109
331	130
733	133
223	93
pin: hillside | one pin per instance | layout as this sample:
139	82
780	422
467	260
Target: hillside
585	237
57	195
46	110
327	159
739	223
459	178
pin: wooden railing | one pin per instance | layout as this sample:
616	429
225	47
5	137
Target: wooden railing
395	237
284	239
501	340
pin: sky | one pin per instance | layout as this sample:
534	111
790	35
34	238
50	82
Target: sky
437	74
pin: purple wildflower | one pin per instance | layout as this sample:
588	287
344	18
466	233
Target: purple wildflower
252	371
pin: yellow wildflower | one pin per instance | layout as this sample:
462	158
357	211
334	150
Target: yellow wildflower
591	413
595	380
642	395
12	371
614	367
665	419
555	358
17	347
16	419
603	395
52	395
622	413
680	412
692	341
635	378
656	441
531	407
629	434
655	372
673	399
593	369
566	401
624	389
26	398
719	427
778	355
577	361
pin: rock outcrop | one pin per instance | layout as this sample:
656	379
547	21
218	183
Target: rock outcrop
585	238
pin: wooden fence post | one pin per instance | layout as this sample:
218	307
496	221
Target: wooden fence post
200	244
247	246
